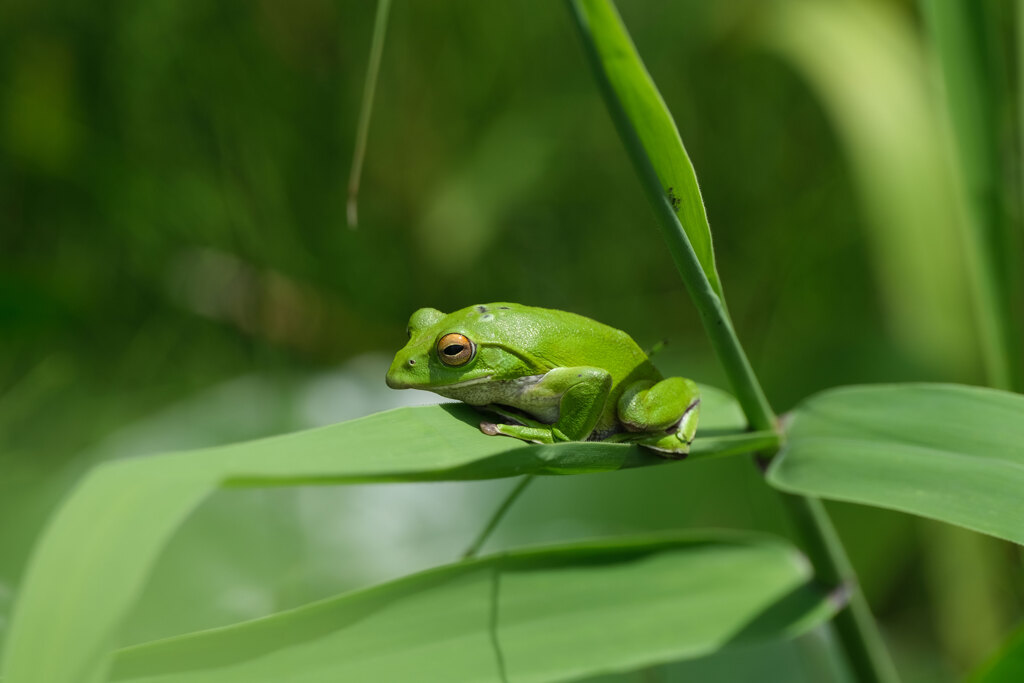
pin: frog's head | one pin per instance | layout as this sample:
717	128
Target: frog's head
450	351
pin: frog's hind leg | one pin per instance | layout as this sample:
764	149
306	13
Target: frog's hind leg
648	406
661	416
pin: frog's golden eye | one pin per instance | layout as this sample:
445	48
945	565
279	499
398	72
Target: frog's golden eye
455	349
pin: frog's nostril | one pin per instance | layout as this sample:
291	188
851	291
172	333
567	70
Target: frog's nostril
412	362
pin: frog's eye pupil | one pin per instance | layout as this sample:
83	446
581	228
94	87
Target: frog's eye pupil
455	349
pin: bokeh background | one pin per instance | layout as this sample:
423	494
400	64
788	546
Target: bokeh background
176	270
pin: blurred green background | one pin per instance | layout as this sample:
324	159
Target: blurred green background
176	269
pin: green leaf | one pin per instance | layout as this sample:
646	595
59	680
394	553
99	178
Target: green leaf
949	452
93	560
1007	666
646	126
544	614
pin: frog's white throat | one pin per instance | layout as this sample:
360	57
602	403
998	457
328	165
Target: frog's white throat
514	392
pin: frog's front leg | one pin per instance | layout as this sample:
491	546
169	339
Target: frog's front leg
526	428
660	415
580	394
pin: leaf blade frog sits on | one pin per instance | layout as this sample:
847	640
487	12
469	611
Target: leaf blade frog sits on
557	376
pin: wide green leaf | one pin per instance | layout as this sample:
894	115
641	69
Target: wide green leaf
949	452
93	560
646	126
544	614
1007	666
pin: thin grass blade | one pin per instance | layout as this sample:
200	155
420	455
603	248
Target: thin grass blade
964	37
380	26
875	88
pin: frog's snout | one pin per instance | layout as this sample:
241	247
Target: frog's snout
399	374
392	379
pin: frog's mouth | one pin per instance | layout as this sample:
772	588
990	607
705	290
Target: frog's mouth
395	383
467	383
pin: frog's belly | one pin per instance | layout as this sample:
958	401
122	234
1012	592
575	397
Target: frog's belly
518	393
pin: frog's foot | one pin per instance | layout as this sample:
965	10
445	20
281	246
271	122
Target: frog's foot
669	446
542	434
673	443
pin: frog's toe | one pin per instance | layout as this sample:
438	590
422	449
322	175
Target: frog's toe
532	434
673	446
667	453
489	428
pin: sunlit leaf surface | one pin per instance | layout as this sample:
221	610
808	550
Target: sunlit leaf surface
952	453
537	615
114	525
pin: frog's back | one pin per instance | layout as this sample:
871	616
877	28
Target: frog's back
553	338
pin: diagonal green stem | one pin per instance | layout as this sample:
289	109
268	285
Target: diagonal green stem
856	628
711	307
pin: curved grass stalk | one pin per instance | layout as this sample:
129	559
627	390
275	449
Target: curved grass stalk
499	514
380	26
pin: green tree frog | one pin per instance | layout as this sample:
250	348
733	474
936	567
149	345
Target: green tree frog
552	376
